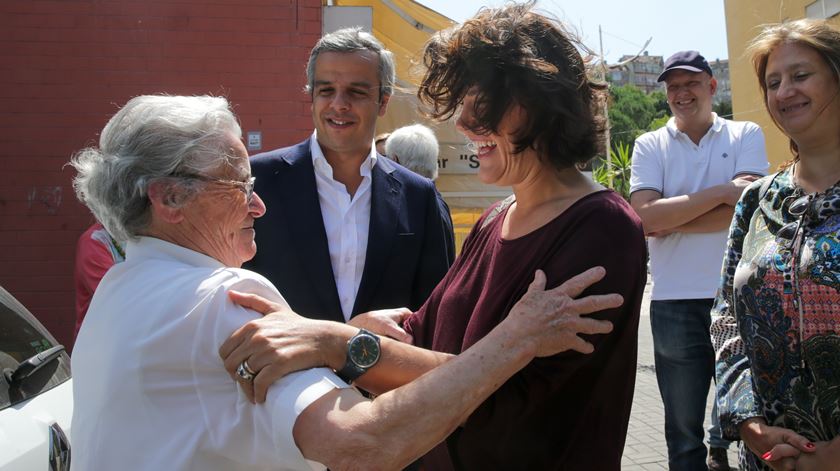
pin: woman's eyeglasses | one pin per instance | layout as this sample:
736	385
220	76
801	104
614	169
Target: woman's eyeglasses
246	186
798	208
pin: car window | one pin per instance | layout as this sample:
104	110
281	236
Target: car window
21	337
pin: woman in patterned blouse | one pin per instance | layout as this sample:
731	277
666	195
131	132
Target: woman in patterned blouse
776	320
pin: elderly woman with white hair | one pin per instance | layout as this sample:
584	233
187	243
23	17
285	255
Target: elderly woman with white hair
416	148
171	176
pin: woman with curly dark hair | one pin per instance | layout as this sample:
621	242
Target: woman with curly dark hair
518	85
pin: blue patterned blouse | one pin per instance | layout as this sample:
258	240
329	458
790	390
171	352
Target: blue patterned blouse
775	331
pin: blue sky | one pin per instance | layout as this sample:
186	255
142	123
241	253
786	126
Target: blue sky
674	24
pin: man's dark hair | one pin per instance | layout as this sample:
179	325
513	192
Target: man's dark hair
513	56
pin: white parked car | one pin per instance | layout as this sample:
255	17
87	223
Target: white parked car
36	393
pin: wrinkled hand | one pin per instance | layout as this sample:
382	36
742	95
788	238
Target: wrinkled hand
275	345
777	446
736	187
386	322
552	319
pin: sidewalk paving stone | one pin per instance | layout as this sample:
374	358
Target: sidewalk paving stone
645	448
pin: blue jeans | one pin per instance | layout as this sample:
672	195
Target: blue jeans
684	357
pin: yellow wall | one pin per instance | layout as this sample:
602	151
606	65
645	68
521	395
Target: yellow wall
463	219
397	35
743	22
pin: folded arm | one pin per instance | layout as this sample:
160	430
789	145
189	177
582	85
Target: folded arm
715	220
704	211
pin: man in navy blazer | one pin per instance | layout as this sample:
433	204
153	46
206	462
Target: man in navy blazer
321	193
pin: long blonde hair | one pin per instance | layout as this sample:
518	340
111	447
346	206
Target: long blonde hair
819	35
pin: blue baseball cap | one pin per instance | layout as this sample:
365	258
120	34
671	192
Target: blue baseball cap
686	60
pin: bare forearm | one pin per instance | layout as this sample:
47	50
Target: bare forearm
399	426
715	220
668	213
399	364
444	398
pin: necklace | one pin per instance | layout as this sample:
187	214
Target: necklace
797	292
795	230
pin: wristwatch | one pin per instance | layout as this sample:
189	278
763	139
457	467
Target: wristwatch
362	353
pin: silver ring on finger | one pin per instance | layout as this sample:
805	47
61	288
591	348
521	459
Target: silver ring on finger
245	372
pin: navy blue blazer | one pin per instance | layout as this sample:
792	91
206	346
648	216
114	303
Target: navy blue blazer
410	241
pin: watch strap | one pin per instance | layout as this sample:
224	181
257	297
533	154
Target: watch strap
351	371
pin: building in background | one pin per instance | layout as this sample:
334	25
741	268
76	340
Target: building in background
720	69
743	19
641	72
645	69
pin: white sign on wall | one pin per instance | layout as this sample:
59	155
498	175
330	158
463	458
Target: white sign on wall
254	141
335	18
457	158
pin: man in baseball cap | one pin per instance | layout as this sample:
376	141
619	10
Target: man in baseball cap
685	180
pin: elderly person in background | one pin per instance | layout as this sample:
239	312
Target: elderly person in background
776	320
416	148
172	178
96	252
526	104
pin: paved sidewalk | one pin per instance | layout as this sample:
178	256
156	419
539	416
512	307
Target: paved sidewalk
645	448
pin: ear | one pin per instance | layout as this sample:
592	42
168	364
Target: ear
163	203
383	105
713	83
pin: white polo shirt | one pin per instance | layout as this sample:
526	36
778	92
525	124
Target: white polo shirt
687	266
149	388
346	221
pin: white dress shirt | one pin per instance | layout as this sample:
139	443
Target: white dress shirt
346	221
149	387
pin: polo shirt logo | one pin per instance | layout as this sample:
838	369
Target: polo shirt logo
724	155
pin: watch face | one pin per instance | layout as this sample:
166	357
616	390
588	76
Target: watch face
364	351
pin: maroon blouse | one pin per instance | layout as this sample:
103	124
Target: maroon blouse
568	411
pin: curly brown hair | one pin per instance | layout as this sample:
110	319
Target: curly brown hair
514	56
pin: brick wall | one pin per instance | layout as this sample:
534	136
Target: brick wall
67	65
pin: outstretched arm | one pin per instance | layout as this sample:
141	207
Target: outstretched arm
345	432
282	342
